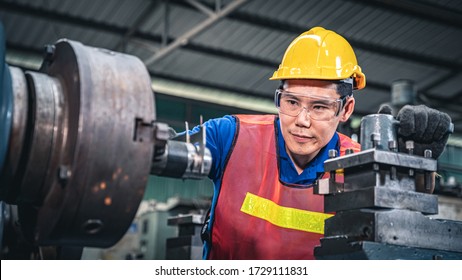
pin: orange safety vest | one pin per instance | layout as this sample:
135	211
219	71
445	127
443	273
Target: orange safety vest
257	216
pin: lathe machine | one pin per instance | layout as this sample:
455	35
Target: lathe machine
79	139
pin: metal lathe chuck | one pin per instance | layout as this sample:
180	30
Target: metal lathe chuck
80	142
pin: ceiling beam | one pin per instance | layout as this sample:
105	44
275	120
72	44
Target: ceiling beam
201	7
186	37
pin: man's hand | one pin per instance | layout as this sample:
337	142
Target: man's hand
428	128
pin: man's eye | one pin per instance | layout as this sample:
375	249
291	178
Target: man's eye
291	102
320	107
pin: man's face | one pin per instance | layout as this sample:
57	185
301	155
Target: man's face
304	137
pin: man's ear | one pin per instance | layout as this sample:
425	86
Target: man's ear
347	109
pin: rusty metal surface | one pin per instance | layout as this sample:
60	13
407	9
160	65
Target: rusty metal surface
98	171
83	143
77	169
40	134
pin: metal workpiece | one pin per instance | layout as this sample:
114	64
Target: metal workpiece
377	130
199	162
374	168
328	186
380	198
396	227
341	248
185	156
173	161
365	158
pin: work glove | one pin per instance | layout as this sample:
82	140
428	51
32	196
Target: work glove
427	127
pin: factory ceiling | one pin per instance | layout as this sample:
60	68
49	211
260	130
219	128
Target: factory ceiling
225	51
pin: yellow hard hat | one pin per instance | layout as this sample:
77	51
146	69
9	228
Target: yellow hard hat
322	55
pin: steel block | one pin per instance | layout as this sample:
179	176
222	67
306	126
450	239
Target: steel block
382	197
397	227
340	248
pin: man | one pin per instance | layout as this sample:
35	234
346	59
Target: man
264	166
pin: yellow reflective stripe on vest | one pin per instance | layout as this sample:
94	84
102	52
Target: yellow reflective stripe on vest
285	217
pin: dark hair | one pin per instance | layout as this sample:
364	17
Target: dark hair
344	89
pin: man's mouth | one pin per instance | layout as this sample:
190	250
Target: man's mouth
301	137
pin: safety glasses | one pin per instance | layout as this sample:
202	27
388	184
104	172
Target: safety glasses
318	108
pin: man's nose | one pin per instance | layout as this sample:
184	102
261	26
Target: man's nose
303	118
